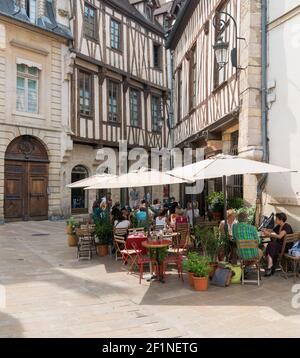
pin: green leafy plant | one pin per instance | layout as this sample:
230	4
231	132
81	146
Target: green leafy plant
103	232
216	202
209	242
201	267
236	203
188	263
72	222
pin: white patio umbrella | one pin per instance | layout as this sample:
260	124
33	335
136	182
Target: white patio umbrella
92	180
139	178
223	166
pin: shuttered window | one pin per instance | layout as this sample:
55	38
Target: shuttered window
31	10
27	89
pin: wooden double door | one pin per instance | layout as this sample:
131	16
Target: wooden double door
26	190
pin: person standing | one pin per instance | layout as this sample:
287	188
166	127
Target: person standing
134	198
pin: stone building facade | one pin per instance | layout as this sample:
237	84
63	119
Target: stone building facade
34	110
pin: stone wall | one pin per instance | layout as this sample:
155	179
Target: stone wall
250	141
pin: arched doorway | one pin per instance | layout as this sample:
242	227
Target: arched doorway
26	180
79	196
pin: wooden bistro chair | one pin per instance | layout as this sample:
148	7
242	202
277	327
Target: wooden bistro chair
85	244
245	262
137	230
121	233
128	255
285	259
144	260
183	239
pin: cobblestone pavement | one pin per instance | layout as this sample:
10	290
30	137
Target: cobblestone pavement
50	294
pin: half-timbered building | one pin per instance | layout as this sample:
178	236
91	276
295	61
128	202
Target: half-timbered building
217	108
120	86
34	111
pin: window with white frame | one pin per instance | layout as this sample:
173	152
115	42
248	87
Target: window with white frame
115	34
27	88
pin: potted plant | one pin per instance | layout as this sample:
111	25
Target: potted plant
201	270
103	236
236	203
188	266
216	205
71	225
208	240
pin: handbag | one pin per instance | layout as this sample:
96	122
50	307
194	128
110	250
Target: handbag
222	277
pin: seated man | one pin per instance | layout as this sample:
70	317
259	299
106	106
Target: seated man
274	248
244	231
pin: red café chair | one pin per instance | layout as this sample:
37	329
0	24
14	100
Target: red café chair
143	260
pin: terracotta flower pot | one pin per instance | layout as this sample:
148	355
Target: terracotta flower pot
201	283
191	279
214	266
102	250
72	240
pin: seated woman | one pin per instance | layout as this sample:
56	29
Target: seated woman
141	216
180	218
161	220
274	248
231	220
121	222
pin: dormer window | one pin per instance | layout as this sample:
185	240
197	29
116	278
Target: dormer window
149	12
31	10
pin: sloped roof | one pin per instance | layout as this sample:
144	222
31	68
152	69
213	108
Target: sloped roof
125	7
48	22
165	8
182	19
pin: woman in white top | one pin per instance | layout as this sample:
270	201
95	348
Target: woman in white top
161	219
121	222
231	219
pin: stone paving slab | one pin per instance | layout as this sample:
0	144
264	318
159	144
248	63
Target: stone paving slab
50	294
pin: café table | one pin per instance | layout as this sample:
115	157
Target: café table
138	239
158	245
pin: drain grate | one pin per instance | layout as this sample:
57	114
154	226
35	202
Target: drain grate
42	234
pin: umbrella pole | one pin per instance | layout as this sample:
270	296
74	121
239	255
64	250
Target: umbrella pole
225	215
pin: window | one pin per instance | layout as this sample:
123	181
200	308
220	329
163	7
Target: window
115	35
193	78
79	197
179	94
135	107
149	12
156	114
113	101
31	10
157	54
90	20
85	93
27	88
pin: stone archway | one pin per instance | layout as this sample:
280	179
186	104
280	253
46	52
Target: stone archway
26	180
